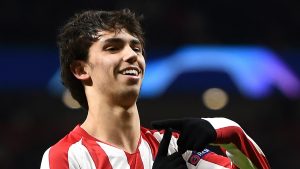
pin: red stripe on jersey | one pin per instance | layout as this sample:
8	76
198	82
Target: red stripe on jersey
58	155
147	135
97	153
236	135
134	160
58	160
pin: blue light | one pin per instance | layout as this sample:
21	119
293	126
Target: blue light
254	70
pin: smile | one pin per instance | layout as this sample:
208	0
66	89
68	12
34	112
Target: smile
131	71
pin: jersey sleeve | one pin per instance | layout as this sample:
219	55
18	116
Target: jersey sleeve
238	146
196	160
58	158
66	154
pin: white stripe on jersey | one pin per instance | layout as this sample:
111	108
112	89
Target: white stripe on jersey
146	154
79	157
158	136
117	157
45	160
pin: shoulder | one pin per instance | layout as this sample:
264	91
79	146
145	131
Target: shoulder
59	153
62	146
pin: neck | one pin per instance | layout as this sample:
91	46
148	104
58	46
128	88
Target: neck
114	124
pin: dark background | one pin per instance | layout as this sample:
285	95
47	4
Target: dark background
32	119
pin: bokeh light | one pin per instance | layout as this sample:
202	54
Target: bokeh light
215	98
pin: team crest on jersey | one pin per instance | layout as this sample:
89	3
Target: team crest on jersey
196	156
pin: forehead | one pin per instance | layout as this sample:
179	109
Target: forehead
121	34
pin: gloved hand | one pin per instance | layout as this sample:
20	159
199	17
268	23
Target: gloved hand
195	133
162	160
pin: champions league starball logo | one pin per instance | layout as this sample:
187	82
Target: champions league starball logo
196	156
194	159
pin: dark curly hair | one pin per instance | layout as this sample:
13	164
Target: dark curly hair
80	32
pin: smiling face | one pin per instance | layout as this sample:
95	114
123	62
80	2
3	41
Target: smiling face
116	65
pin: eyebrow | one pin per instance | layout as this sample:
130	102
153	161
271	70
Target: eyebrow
120	40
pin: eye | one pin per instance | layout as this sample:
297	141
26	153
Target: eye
137	49
111	49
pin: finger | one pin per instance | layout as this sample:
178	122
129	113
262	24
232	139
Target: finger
174	156
200	146
180	165
176	159
189	143
164	144
182	143
175	124
183	166
182	150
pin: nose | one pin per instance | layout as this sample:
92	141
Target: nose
130	55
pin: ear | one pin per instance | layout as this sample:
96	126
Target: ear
78	68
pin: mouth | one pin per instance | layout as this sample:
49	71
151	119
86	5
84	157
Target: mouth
131	71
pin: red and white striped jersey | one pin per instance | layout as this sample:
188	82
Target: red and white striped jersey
79	150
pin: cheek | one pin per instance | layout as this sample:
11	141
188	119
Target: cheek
108	65
142	62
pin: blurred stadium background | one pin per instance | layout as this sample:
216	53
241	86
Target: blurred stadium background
237	59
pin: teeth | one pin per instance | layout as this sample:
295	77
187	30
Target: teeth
130	72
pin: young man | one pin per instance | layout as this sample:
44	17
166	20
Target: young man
103	65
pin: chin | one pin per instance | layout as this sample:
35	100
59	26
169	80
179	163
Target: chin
129	90
132	93
128	98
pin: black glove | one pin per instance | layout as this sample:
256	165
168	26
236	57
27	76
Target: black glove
162	160
195	133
